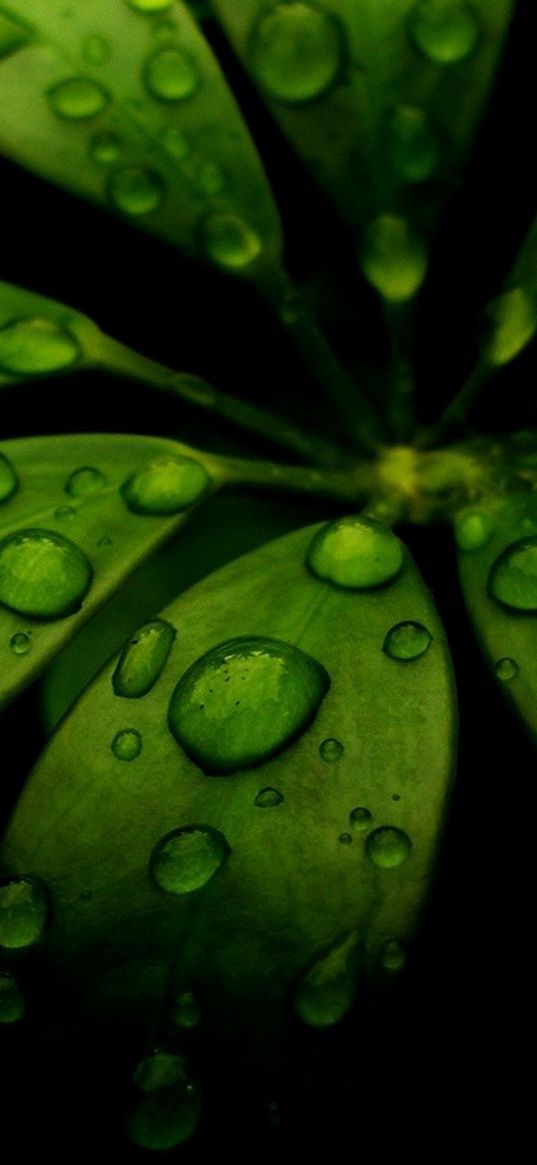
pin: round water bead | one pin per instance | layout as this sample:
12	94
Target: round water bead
83	481
407	641
473	530
393	258
20	643
512	578
360	817
228	241
445	31
186	859
268	798
356	553
506	668
77	98
331	750
136	191
166	486
171	75
296	52
23	912
42	574
35	346
388	847
127	744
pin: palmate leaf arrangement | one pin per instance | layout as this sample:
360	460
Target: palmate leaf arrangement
234	819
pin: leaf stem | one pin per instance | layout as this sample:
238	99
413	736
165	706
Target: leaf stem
347	486
455	415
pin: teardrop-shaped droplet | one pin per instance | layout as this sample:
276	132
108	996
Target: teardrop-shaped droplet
331	750
105	148
268	798
127	744
356	553
506	668
166	486
473	530
392	955
186	859
150	5
166	1110
171	75
77	98
414	146
245	700
186	1011
512	320
96	50
83	481
388	847
407	641
23	912
360	818
20	643
42	574
12	1005
136	191
9	481
512	579
445	31
296	51
327	990
393	258
229	241
35	346
143	659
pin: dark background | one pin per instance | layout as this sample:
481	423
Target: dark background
446	1049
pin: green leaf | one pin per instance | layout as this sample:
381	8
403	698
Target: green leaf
68	538
130	109
287	873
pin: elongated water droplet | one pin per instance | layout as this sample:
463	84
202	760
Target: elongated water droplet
393	258
86	480
512	579
268	798
392	955
245	700
96	50
34	346
42	574
166	486
9	482
23	912
143	659
127	744
186	1010
13	35
171	75
20	643
330	750
229	241
355	553
388	847
105	148
136	191
327	990
473	530
175	143
512	319
445	31
167	1107
77	98
150	5
414	146
12	1005
360	818
296	52
186	859
407	641
506	668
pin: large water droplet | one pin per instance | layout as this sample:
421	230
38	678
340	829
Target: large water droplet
42	574
85	481
150	5
105	148
77	98
506	668
34	346
331	750
268	798
393	258
9	481
445	31
296	52
23	912
245	700
135	191
229	241
127	744
186	859
407	641
186	1011
20	643
360	818
413	144
512	319
171	75
356	553
143	659
12	1005
166	486
327	990
167	1108
512	578
388	847
473	530
96	50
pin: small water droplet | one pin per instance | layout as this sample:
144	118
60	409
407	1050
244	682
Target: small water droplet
171	74
331	749
36	346
393	258
296	52
360	817
268	798
356	553
166	1110
392	955
104	541
210	179
512	579
512	323
150	5
175	143
506	669
414	146
105	148
245	700
42	574
229	241
345	838
473	530
127	744
96	50
186	1010
65	512
327	990
166	486
23	912
407	641
77	98
12	1005
136	191
142	659
186	859
86	480
20	643
9	482
388	847
445	31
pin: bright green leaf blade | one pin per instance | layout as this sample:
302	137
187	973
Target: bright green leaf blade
42	607
131	110
332	841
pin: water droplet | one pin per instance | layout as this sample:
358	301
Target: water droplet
96	50
23	912
388	847
85	481
20	643
186	859
268	798
104	541
506	669
345	838
512	579
356	553
42	574
331	749
167	1106
473	530
166	486
512	320
229	241
12	1005
245	700
445	31
392	955
65	512
393	258
78	98
34	346
414	146
296	52
9	482
171	75
150	5
143	659
135	191
127	744
175	143
105	148
210	179
407	641
327	990
360	817
12	34
186	1012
